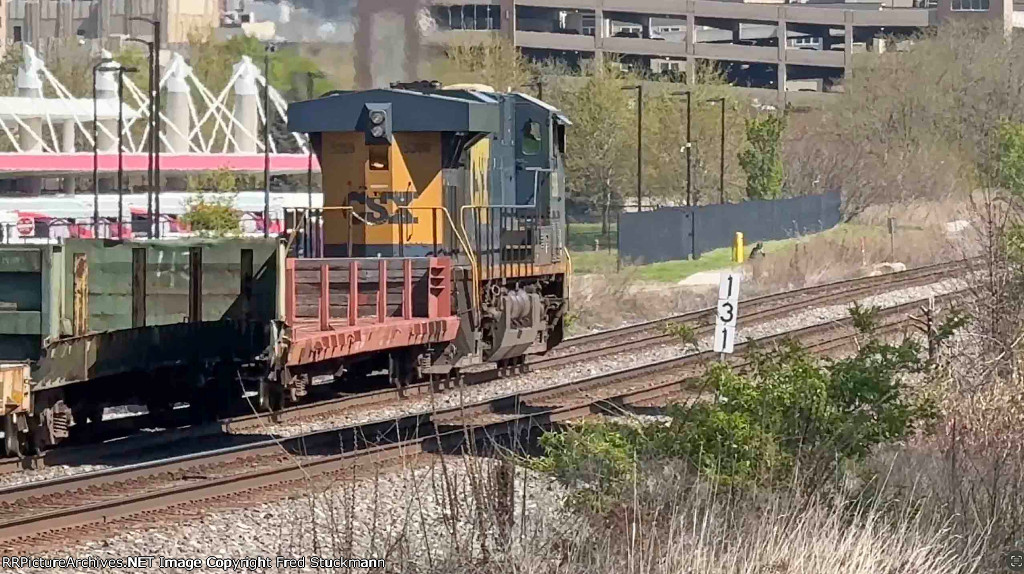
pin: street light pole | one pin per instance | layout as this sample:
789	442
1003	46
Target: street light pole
270	48
154	86
96	150
639	144
310	77
721	157
689	180
153	72
120	146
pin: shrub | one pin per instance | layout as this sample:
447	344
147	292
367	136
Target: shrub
788	411
761	160
212	215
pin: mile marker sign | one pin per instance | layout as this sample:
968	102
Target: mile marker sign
728	311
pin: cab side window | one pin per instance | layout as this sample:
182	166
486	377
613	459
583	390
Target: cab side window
532	142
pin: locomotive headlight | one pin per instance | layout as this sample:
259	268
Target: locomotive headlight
377	118
377	131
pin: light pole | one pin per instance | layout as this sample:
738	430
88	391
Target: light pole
271	48
721	157
96	148
639	143
153	72
121	70
154	86
310	77
689	178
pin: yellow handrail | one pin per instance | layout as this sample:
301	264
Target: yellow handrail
305	213
568	278
465	245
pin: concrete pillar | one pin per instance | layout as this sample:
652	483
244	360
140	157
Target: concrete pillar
179	121
65	22
246	112
508	20
413	42
363	43
106	94
106	89
783	38
177	105
691	39
848	48
30	32
104	9
737	32
67	145
600	33
30	85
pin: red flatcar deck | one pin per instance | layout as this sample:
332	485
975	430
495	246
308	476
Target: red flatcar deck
342	306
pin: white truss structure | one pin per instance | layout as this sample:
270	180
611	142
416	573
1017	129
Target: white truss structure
213	123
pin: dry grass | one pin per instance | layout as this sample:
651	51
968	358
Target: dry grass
479	515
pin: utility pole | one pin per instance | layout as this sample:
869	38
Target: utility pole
153	196
689	179
270	48
96	148
121	71
310	77
639	143
721	157
153	141
689	174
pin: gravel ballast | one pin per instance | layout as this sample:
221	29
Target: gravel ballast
545	378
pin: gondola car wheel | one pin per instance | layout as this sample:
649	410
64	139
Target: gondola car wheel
271	396
13	444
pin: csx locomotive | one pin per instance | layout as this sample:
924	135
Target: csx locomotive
419	173
441	244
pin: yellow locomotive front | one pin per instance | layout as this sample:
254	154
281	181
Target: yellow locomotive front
462	173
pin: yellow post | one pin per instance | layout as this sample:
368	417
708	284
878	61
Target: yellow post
737	249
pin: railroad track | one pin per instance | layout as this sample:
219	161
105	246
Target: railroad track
574	350
50	514
643	335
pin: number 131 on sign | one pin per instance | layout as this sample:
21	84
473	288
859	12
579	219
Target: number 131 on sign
727	313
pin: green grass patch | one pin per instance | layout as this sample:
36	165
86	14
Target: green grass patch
603	262
586	260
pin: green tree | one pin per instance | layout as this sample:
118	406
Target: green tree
762	159
496	63
210	210
601	160
1011	157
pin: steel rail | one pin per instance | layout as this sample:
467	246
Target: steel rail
765	308
448	430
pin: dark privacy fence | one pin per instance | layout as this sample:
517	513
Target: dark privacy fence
665	234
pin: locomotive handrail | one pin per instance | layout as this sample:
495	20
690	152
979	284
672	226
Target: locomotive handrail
465	245
568	278
351	214
499	207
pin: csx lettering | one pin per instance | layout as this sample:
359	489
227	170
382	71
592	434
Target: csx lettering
378	209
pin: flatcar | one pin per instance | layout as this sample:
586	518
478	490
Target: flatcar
440	245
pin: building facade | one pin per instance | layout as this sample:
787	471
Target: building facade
35	21
770	40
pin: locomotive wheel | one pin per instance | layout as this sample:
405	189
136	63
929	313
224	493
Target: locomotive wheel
14	443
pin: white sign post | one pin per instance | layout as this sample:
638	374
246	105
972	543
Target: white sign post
728	311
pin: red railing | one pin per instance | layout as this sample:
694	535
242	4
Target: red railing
439	289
